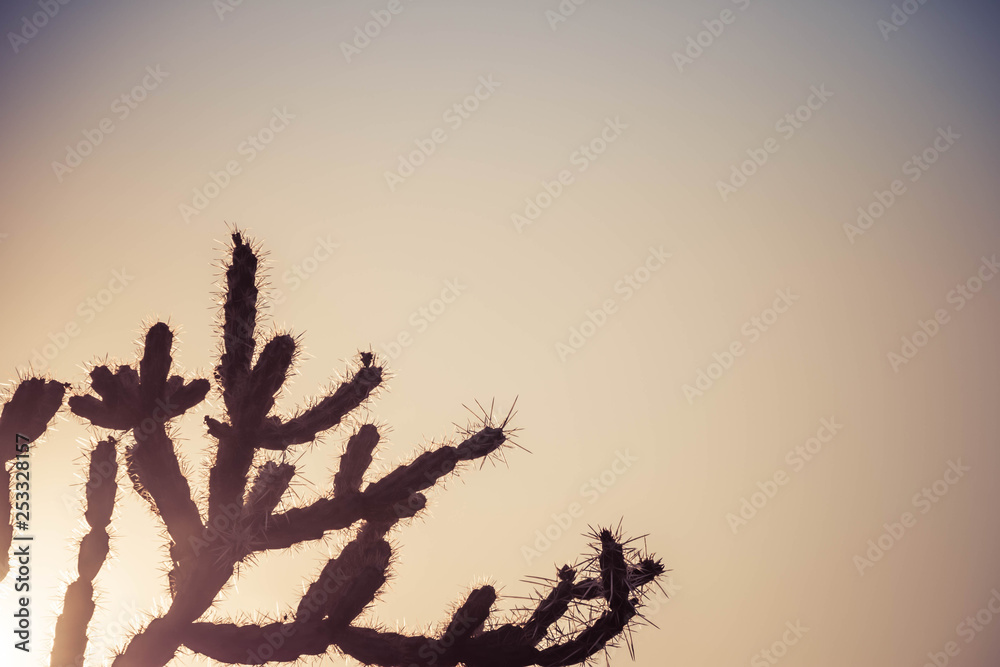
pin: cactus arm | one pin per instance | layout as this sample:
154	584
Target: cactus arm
70	641
326	414
431	466
242	644
27	413
228	475
239	321
30	409
158	472
355	461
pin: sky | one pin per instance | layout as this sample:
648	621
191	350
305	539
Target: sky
734	260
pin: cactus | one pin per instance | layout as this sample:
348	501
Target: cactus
583	609
78	608
25	417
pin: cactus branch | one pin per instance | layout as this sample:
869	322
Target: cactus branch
29	410
239	321
25	417
463	640
78	608
324	415
355	461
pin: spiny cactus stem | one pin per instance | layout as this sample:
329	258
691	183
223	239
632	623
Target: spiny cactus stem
430	466
227	480
302	524
32	406
240	319
78	608
155	365
25	417
158	471
323	416
270	484
471	616
249	644
355	461
263	384
549	610
639	575
614	574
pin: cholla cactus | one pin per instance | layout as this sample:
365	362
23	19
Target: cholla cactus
25	417
585	608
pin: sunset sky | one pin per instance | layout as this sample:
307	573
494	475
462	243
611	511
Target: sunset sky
734	259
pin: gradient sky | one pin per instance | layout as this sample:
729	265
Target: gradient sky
353	259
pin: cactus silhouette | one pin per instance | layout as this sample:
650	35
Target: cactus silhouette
25	417
583	609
